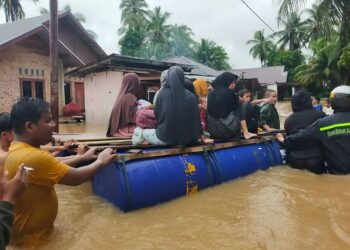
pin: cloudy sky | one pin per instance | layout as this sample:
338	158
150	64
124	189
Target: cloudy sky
228	22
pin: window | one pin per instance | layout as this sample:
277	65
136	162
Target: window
32	88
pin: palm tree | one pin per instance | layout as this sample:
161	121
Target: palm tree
261	47
337	10
157	27
323	66
180	40
133	12
318	24
293	33
212	55
13	9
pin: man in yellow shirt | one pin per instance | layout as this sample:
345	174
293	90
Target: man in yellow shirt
36	209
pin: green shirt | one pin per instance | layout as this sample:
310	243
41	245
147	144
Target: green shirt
269	116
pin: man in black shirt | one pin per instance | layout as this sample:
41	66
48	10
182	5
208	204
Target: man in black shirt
332	133
306	157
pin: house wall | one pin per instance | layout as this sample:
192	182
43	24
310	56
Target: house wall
11	60
17	57
101	91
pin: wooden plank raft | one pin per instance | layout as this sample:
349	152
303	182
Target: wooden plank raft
188	150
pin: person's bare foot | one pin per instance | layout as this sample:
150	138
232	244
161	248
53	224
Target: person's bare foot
144	143
250	136
208	141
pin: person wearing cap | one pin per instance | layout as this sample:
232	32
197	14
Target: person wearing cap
332	133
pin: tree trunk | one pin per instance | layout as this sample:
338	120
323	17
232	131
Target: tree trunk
54	61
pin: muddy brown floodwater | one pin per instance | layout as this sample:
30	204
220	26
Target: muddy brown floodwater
280	208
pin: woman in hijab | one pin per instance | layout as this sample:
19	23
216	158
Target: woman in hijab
163	78
303	116
223	122
122	119
176	112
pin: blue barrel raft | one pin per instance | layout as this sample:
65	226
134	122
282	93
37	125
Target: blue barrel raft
145	182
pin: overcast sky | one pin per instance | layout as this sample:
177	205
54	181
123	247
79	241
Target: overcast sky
228	22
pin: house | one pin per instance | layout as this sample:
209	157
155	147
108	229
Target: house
274	78
200	70
25	61
103	80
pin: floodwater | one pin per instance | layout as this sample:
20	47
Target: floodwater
281	208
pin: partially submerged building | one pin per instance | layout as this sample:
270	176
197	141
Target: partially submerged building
274	78
103	80
25	62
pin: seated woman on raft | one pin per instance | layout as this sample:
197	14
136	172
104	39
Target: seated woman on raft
122	119
222	118
176	112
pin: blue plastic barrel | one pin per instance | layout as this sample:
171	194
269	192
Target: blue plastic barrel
140	183
232	163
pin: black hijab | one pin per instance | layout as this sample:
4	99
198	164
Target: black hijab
301	101
222	100
177	112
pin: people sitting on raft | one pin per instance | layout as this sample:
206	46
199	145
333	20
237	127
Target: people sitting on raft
269	117
222	115
307	157
177	114
36	209
249	113
220	110
122	121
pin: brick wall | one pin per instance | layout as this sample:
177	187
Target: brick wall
10	61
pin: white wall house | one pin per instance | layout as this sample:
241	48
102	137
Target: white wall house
101	91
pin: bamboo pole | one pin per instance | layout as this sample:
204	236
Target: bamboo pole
54	62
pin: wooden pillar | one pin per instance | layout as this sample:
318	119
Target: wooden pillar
54	61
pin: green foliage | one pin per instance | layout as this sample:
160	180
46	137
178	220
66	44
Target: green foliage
149	34
322	69
134	12
180	41
261	48
290	59
318	24
337	11
212	55
131	42
293	33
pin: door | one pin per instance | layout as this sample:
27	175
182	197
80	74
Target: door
80	94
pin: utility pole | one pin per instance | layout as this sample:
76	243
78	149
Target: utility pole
54	61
